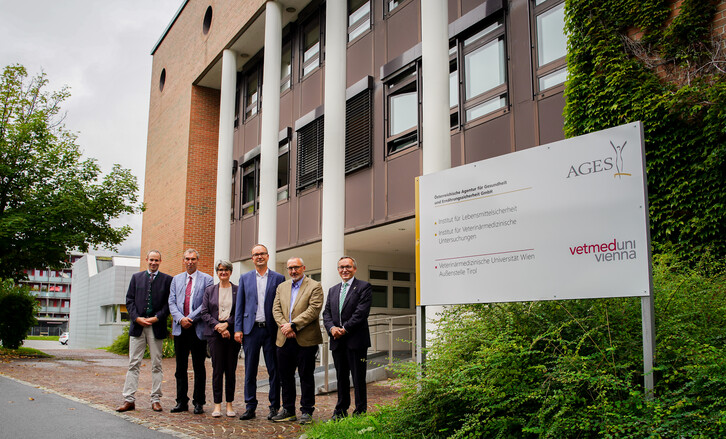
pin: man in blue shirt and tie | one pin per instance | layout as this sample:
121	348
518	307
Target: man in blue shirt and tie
185	303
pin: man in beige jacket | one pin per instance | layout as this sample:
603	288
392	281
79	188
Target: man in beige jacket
296	310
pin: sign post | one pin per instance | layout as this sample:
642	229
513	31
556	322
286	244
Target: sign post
567	220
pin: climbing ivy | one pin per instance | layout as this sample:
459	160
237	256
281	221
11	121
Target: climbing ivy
631	60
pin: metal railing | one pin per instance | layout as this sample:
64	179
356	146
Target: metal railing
395	327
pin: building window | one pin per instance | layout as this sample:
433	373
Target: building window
286	65
311	44
402	110
235	168
358	131
283	170
237	97
551	43
484	71
252	89
310	154
359	18
391	289
453	87
390	5
207	22
250	186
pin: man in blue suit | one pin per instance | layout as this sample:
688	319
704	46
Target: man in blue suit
185	303
256	329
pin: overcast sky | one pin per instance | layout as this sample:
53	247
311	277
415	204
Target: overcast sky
101	50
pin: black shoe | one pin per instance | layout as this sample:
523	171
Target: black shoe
272	414
358	413
283	416
198	409
339	415
247	415
180	408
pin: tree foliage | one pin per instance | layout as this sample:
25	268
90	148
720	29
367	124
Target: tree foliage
634	60
51	199
17	313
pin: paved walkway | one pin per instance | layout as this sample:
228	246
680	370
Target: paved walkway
96	378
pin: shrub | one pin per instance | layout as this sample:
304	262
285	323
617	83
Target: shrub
571	368
121	344
17	313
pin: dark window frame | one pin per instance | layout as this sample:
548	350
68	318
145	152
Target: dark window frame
400	83
249	207
356	26
553	66
283	149
493	31
253	109
317	60
286	81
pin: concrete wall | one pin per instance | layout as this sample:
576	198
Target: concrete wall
94	295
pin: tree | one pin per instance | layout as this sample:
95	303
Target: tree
51	199
17	313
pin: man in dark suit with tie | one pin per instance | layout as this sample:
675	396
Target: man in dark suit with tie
256	329
148	307
185	304
346	320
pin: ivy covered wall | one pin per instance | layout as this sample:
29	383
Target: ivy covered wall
663	63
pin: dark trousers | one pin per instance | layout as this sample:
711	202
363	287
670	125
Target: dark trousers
289	357
184	344
260	338
353	362
224	352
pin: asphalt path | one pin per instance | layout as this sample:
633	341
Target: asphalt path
32	412
43	345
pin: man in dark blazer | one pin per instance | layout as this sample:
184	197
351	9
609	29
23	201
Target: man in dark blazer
148	306
346	320
185	304
256	329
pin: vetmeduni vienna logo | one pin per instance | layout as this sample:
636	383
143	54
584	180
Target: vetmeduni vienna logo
602	164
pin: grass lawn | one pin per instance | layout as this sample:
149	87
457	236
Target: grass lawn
42	337
22	352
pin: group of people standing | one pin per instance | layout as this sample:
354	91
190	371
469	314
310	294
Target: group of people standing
264	312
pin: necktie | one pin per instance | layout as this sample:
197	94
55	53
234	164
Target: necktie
342	296
188	297
149	298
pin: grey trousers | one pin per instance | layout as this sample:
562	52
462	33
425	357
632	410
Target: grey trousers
137	346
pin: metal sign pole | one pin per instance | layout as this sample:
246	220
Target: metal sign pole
647	310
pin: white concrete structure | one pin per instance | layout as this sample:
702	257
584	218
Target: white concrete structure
99	299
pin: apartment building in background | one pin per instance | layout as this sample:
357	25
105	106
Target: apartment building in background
52	289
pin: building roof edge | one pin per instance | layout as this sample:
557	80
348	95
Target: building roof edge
171	23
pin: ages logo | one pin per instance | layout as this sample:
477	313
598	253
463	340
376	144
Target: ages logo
602	164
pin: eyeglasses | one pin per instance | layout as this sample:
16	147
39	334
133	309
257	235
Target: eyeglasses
345	267
294	267
257	255
224	269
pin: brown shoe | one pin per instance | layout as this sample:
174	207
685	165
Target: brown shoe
126	406
155	406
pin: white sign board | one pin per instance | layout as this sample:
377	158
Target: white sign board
568	220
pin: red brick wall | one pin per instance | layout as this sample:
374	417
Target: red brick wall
183	130
202	175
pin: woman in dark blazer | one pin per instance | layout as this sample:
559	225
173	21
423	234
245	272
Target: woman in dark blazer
218	313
